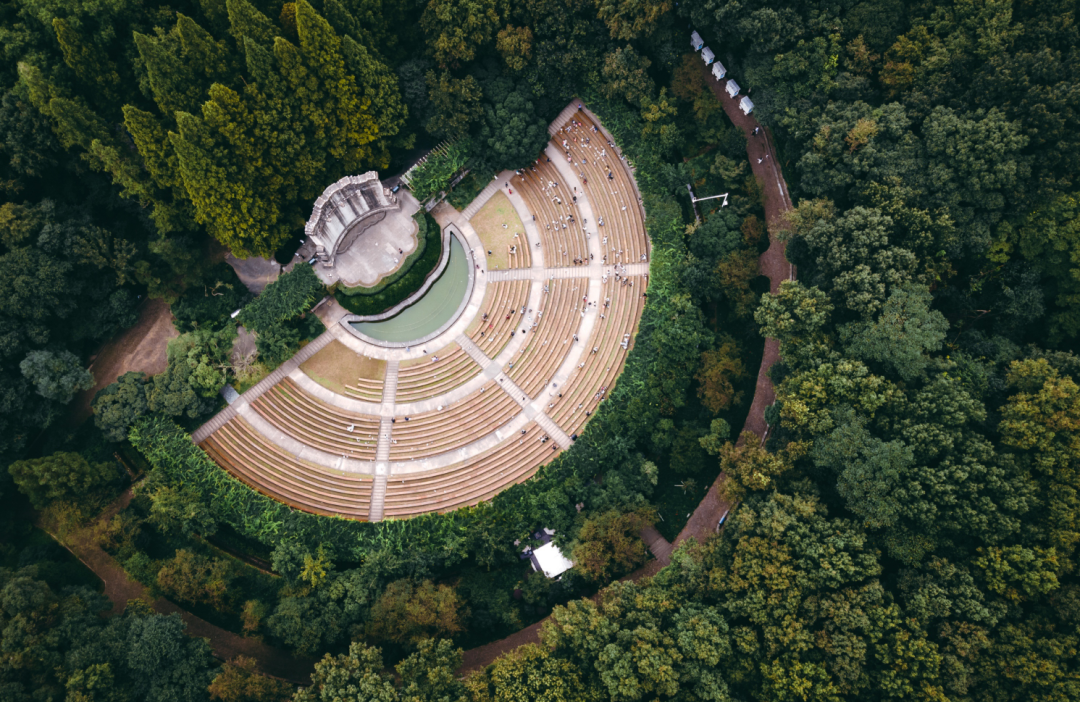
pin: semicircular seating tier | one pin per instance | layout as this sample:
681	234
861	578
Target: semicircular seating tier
350	429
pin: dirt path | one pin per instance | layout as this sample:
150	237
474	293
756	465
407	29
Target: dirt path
139	348
119	588
773	264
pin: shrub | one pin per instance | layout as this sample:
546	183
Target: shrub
62	475
434	174
210	305
609	545
408	613
118	405
291	295
194	578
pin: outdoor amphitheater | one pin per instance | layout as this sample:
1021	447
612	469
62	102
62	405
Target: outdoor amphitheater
555	275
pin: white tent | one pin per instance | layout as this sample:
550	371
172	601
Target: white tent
549	560
732	88
718	71
696	41
707	56
746	105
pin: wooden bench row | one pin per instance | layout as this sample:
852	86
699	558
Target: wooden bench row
600	369
615	200
503	303
553	337
452	427
563	240
469	482
269	469
315	423
366	389
431	377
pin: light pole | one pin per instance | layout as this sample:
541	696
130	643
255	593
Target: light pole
695	200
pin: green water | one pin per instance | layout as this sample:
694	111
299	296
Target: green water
431	311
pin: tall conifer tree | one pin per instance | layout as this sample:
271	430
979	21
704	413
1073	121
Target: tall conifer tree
245	21
378	85
89	62
171	82
201	53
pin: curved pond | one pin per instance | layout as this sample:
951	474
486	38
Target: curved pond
431	311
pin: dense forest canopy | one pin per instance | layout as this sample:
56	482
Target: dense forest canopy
910	528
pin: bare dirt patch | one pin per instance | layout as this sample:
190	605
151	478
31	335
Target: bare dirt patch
139	348
489	225
336	366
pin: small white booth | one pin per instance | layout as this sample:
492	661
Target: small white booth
718	71
707	56
746	105
545	558
696	41
550	561
732	88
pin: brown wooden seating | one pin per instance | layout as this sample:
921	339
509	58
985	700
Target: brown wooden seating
469	482
253	459
319	425
452	427
426	378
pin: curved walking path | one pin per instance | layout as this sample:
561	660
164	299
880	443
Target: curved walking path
776	267
120	589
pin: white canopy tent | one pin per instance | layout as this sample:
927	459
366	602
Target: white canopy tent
696	41
707	56
746	105
718	71
732	88
550	561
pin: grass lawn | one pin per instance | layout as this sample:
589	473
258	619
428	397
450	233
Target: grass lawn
336	366
488	223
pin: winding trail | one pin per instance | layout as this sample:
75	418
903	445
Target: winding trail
120	589
776	267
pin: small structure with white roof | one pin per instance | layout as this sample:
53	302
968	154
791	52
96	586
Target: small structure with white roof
550	561
746	105
696	41
718	71
707	56
732	88
547	558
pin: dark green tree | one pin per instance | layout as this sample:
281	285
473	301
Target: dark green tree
512	133
118	405
56	376
63	475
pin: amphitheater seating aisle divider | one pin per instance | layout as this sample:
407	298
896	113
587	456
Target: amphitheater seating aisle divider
462	410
